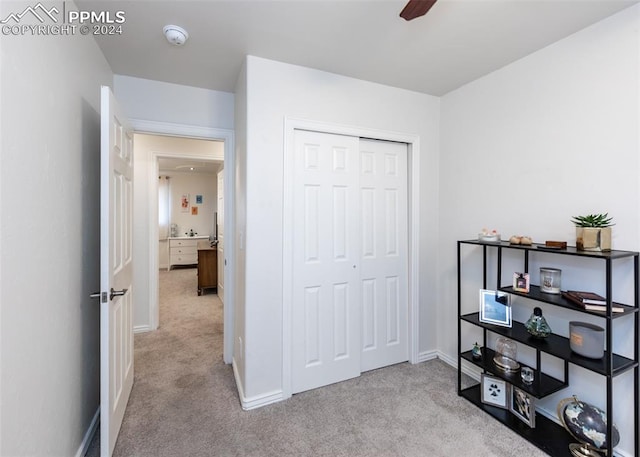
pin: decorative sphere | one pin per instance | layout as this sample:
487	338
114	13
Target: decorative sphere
587	423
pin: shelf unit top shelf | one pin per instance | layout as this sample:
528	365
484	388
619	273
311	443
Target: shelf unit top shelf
558	300
557	346
570	250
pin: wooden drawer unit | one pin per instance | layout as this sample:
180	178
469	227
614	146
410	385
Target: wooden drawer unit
207	267
184	251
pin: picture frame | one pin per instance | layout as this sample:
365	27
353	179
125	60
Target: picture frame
184	203
495	307
495	391
521	282
523	406
194	210
198	199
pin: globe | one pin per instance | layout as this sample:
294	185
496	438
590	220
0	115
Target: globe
587	424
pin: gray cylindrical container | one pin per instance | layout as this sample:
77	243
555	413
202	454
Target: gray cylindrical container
586	339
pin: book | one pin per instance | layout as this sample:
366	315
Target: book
570	295
589	297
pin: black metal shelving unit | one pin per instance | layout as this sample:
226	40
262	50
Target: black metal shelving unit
548	435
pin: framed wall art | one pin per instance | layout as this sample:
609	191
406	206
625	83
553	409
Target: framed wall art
184	203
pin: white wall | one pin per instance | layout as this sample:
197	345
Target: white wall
240	173
525	148
147	149
174	103
274	91
192	184
49	233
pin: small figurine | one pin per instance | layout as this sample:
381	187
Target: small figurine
537	324
476	352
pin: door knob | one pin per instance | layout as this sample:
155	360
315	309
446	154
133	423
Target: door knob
117	293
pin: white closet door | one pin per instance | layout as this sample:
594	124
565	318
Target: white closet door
384	253
326	291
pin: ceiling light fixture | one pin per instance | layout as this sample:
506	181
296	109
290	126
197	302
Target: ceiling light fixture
176	35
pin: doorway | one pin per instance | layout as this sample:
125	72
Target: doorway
145	194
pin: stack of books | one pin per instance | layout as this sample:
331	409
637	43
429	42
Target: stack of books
590	301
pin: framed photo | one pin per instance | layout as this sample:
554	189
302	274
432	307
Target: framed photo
521	282
495	307
523	406
495	391
198	199
194	210
184	203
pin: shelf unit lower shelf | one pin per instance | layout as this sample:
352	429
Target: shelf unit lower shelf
557	346
550	437
542	386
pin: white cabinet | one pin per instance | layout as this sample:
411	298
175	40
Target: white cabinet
184	250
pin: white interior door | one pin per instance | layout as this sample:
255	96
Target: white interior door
116	304
326	310
220	229
384	253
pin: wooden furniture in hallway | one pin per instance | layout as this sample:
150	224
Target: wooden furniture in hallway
207	266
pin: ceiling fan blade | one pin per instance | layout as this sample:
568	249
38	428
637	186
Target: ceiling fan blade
416	8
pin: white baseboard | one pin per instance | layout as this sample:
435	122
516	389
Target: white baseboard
475	374
427	355
257	401
88	436
141	328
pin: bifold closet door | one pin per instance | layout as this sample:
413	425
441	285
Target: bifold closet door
350	260
326	296
383	253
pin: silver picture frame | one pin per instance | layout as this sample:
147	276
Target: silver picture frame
495	307
495	391
523	406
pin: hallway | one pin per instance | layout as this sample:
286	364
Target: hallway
181	381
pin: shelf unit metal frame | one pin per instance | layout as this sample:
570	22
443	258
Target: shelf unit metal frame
549	436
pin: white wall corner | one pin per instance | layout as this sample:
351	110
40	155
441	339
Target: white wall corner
425	356
249	403
142	328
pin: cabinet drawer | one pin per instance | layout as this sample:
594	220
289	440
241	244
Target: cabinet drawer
183	250
183	243
184	259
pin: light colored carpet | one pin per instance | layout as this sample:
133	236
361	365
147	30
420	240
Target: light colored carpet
185	403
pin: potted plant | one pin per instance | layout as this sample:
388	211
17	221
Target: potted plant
593	232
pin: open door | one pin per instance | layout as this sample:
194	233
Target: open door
116	303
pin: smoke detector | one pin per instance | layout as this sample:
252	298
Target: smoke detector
176	35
